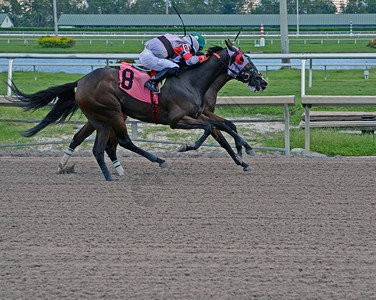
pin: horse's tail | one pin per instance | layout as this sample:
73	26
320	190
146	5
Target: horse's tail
64	104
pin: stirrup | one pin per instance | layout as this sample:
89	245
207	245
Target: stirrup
150	85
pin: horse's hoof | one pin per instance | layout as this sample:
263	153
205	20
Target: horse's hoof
66	170
250	152
112	179
60	169
183	148
164	165
247	169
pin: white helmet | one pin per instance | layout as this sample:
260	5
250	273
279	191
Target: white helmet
192	41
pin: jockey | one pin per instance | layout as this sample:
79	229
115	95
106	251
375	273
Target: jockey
164	53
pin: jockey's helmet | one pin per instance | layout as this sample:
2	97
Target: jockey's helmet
201	40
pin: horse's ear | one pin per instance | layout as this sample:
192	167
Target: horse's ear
229	45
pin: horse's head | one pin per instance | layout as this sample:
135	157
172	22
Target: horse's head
242	68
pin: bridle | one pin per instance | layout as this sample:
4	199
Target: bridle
239	73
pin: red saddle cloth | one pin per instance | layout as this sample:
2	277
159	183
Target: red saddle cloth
132	81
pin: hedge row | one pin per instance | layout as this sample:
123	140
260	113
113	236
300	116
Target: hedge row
53	42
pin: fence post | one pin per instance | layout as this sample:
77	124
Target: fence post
267	75
10	75
310	73
134	131
35	72
287	129
307	130
302	72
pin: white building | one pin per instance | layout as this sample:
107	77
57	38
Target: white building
5	21
338	4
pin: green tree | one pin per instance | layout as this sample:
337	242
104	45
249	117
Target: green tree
70	7
305	7
37	13
268	7
148	7
354	7
14	9
212	6
321	7
371	7
232	7
196	7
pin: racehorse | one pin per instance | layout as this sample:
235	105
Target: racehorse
104	104
210	100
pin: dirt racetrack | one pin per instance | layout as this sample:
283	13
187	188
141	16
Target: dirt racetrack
294	228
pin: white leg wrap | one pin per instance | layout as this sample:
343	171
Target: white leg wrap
66	157
118	167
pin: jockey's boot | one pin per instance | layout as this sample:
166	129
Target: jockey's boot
152	83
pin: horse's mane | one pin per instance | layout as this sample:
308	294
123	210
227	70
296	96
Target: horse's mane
210	52
214	49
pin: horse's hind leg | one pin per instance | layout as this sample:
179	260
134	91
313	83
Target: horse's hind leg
103	133
111	152
78	138
128	144
125	141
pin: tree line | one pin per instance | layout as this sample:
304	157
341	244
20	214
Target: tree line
39	13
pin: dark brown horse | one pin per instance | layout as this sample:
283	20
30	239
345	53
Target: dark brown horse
104	104
210	100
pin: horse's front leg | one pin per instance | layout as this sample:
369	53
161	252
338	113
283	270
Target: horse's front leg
190	123
187	122
239	143
218	136
196	145
238	139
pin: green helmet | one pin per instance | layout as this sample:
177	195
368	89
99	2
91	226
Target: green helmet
201	40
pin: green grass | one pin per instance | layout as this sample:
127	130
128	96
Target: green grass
135	45
82	46
313	47
327	141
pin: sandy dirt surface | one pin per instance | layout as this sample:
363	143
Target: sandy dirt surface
294	228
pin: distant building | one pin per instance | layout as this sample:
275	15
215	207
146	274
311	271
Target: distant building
5	21
246	20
